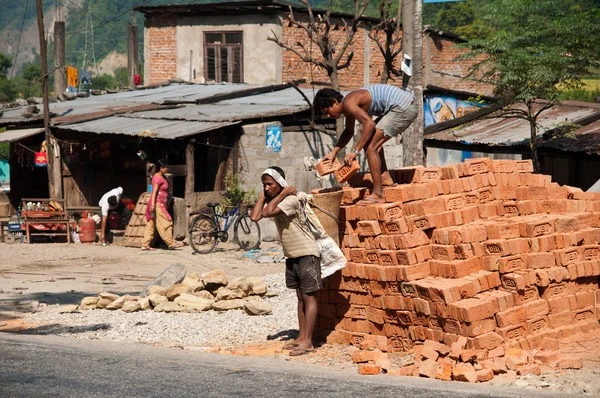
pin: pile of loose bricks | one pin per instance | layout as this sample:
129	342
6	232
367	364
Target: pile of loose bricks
477	268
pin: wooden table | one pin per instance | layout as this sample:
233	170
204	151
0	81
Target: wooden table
46	218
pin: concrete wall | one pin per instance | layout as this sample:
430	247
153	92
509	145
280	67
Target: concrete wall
437	157
262	58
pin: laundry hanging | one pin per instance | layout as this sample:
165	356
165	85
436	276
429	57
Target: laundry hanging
72	79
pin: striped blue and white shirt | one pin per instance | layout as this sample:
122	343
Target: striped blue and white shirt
385	97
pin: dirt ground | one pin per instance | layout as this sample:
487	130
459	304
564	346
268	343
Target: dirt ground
63	274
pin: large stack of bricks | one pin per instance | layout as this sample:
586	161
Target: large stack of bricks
486	262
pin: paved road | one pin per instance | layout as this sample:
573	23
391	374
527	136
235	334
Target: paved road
48	366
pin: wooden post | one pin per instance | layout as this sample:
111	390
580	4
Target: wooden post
190	176
54	186
412	140
132	52
60	81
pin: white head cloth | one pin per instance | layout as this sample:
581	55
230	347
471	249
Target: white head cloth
276	176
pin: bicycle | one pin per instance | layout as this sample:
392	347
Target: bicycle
205	229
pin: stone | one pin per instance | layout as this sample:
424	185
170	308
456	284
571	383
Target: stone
428	368
257	306
155	289
88	303
103	303
21	102
464	372
224	293
568	363
241	287
68	308
259	287
109	296
169	277
204	294
118	303
195	284
271	293
176	290
226	305
131	306
144	303
484	375
214	279
156	299
195	303
132	298
521	383
368	369
169	306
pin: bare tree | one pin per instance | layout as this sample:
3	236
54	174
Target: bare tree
332	51
386	34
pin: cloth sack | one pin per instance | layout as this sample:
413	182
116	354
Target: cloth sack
332	257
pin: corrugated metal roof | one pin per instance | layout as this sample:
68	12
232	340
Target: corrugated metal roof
272	104
16	135
165	129
494	131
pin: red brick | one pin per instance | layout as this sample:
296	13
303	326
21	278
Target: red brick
388	211
570	363
368	369
477	166
513	282
481	327
512	316
414	272
398	226
536	308
484	375
368	228
540	260
464	372
567	256
411	239
428	368
561	319
513	332
512	264
325	167
473	309
361	356
345	172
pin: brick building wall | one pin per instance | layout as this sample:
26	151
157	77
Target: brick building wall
161	56
443	70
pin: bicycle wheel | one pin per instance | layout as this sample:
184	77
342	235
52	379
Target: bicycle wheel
203	234
247	233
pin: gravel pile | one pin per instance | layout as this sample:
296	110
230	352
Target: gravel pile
201	330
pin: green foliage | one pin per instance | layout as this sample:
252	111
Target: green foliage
5	64
104	82
121	76
4	146
579	94
234	193
535	46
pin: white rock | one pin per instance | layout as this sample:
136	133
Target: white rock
145	303
156	299
88	303
257	306
131	306
155	289
227	305
216	277
107	295
195	283
189	301
103	303
242	287
204	294
258	285
174	291
118	303
68	309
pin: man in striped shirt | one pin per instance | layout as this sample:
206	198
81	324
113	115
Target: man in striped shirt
395	107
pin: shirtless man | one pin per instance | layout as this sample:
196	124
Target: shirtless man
397	109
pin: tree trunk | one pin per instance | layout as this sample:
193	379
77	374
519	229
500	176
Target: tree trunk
533	146
412	140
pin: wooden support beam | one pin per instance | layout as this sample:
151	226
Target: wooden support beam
190	176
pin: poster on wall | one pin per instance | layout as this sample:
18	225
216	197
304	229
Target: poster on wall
273	138
439	109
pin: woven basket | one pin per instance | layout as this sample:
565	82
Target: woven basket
330	202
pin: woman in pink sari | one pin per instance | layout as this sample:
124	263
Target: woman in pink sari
157	216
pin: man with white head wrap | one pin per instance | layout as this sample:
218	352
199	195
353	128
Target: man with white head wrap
303	264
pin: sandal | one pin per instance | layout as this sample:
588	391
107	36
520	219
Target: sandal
370	201
147	248
290	346
176	246
300	351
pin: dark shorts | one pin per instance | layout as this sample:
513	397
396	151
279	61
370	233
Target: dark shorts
303	273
